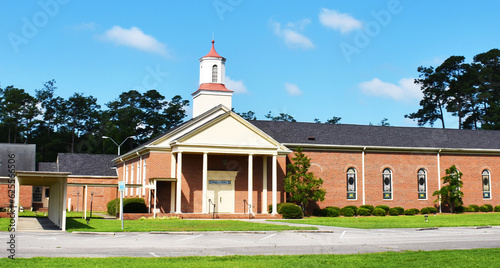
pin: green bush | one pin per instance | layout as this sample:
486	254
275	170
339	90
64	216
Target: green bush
469	209
354	209
384	207
130	205
484	208
379	212
369	207
497	208
394	212
400	210
111	206
490	207
411	211
348	212
461	209
318	212
331	211
364	211
291	211
474	208
429	210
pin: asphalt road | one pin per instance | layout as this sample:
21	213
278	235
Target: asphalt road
329	240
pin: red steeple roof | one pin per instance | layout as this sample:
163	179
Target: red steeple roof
212	52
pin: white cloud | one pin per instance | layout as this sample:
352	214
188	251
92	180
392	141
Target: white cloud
404	90
135	38
236	85
290	34
292	89
338	21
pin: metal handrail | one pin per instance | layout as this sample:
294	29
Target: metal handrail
211	204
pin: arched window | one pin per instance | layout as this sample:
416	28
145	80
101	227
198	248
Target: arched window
351	183
387	183
214	74
422	184
486	184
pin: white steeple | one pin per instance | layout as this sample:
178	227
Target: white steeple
212	91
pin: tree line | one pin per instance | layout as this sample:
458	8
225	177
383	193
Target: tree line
468	91
77	124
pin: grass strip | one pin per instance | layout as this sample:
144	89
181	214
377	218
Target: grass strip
417	221
440	258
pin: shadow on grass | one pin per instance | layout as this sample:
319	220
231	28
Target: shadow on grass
72	224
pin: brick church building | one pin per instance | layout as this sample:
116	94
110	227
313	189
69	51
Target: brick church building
220	161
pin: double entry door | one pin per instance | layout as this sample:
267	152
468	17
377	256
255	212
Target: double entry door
220	191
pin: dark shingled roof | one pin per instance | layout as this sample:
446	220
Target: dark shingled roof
359	135
87	164
47	166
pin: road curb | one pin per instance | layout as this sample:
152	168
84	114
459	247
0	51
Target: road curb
175	233
94	233
313	231
426	229
245	232
482	227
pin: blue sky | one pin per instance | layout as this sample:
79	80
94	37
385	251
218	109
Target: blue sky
353	59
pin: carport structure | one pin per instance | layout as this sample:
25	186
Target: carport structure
57	181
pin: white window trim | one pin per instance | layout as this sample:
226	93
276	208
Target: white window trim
355	183
392	186
426	190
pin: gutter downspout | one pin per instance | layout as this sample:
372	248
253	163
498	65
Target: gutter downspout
363	173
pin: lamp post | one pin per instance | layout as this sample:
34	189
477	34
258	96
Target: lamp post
119	145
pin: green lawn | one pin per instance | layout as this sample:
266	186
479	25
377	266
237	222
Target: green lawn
174	225
441	258
417	221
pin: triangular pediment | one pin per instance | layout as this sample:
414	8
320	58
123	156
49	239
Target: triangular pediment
229	130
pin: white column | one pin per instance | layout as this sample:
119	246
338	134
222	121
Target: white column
204	184
250	184
85	204
179	184
172	196
17	192
264	185
275	185
154	201
64	189
363	172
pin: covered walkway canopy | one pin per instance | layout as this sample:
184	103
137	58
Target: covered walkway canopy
57	181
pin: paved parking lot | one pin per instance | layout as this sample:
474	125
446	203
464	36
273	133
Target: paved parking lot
329	240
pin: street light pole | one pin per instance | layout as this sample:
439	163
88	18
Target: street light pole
119	145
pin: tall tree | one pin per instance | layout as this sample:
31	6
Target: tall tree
489	88
82	116
334	120
450	193
18	111
300	183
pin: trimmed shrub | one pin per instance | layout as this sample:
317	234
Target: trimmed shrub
364	211
484	208
424	211
379	212
318	212
130	205
461	209
331	211
469	209
497	208
384	207
473	208
400	210
354	209
369	207
291	211
490	207
411	211
348	212
394	212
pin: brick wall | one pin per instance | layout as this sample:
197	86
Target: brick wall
332	167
